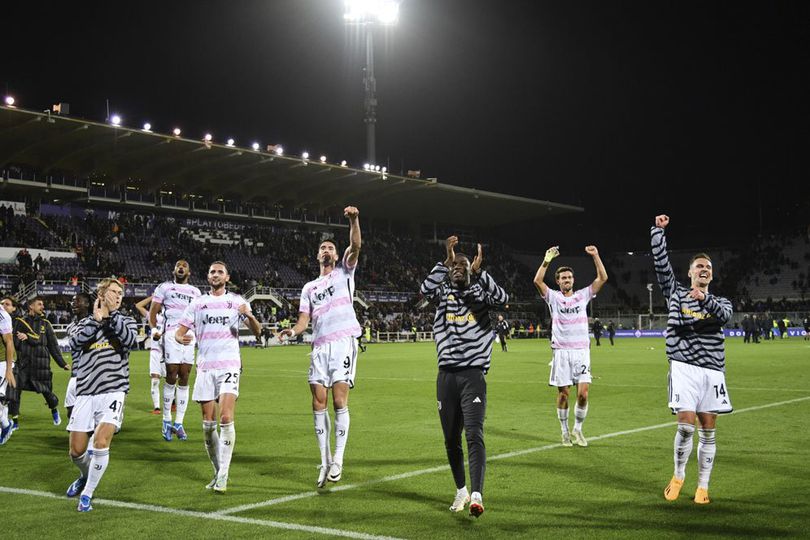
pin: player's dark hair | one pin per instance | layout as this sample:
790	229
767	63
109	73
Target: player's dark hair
222	263
86	296
36	298
699	256
331	241
562	269
12	300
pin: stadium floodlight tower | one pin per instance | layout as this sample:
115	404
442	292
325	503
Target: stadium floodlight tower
366	14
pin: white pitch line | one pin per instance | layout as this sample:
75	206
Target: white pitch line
204	515
507	455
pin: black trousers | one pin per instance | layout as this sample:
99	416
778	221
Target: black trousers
502	339
462	397
25	381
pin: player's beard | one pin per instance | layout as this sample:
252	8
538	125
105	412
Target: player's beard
181	279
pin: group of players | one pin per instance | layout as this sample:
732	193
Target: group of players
183	318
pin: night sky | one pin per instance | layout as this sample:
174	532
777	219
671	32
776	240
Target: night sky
629	109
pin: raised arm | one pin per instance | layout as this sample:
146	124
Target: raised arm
663	269
601	273
494	295
432	284
540	276
353	251
125	329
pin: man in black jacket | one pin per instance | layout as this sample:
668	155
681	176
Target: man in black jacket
35	342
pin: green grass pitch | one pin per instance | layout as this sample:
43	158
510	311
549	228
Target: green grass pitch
612	489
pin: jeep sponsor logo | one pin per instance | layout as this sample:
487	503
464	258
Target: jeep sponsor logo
329	291
219	319
572	309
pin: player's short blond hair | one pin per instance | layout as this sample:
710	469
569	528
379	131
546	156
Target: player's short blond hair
105	283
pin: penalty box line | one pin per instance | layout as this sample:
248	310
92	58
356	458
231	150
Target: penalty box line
204	515
507	455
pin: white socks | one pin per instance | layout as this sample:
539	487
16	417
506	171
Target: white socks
341	433
227	438
82	462
322	434
562	414
579	416
98	464
155	391
4	416
211	439
182	404
683	448
706	451
168	398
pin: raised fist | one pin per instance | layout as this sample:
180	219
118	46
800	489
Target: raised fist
661	221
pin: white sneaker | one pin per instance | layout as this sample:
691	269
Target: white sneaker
221	484
322	470
211	484
566	440
461	500
476	504
335	472
579	438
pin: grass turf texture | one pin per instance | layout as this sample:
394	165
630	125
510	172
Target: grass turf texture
611	489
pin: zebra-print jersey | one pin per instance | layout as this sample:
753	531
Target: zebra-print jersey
101	350
694	328
462	327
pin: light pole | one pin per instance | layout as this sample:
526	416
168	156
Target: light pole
365	14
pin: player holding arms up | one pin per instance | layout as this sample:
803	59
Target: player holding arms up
570	344
697	360
100	346
171	298
215	317
329	302
462	329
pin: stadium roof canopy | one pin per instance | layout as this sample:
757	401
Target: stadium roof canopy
52	144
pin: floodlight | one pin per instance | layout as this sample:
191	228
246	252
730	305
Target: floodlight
279	150
208	137
377	168
230	142
366	166
343	163
177	132
255	146
382	11
147	127
385	169
305	155
115	120
323	159
10	101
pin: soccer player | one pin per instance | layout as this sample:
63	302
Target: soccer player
328	302
80	305
214	317
502	328
570	344
102	342
6	372
157	366
462	329
697	360
171	298
35	344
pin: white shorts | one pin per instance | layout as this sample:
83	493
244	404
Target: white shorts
3	381
693	388
570	366
157	365
210	383
334	362
70	393
90	411
177	353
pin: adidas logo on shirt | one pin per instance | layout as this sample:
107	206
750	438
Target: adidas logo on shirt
477	400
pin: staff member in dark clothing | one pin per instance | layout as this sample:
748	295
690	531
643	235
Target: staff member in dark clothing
462	329
502	328
35	343
597	331
611	330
